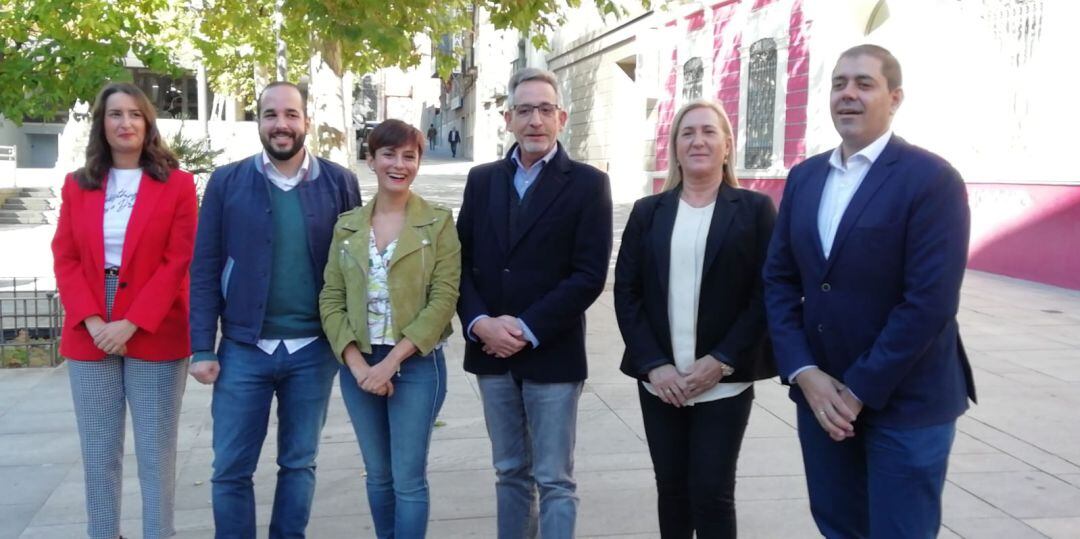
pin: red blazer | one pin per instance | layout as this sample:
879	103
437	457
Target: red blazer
153	288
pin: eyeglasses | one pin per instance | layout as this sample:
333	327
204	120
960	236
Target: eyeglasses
546	109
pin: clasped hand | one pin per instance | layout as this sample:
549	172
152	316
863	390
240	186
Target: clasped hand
110	337
833	404
372	379
677	389
502	336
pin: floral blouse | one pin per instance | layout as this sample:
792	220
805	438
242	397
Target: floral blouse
380	323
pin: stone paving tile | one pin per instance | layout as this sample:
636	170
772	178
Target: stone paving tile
16	518
1057	528
29	485
1025	494
992	528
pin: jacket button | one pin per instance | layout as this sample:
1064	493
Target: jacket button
123	285
821	328
506	270
825	287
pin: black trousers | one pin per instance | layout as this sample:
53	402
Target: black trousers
694	450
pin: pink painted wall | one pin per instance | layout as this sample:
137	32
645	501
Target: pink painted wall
666	110
726	70
1025	231
798	72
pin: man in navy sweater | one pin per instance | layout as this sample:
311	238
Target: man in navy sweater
262	243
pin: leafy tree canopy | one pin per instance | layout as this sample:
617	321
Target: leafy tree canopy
54	52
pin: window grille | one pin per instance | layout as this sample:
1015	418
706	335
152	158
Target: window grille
693	73
761	104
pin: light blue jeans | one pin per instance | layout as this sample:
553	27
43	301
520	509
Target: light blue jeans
533	428
395	434
248	383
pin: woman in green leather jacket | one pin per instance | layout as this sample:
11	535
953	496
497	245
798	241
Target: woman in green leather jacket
391	289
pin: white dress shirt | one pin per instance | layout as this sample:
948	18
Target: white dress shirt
840	187
285	183
843	181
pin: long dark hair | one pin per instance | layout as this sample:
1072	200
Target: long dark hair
157	160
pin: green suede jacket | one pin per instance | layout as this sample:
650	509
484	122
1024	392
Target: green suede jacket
423	278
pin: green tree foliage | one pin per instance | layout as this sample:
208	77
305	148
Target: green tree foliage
353	35
55	52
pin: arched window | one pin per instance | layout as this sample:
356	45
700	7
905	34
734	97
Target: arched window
761	104
693	72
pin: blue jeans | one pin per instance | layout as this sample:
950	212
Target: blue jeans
533	428
248	381
883	483
394	435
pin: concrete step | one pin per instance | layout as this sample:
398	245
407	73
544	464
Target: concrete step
36	204
36	192
23	217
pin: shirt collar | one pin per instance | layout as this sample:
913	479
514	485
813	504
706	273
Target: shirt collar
871	152
268	165
516	156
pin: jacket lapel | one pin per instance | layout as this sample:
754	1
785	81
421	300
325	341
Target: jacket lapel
723	213
94	221
499	203
662	224
548	185
875	178
808	218
145	202
411	240
357	243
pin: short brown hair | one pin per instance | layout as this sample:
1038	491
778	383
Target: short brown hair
395	134
890	67
157	160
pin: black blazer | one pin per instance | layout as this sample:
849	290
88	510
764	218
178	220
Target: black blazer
547	274
731	311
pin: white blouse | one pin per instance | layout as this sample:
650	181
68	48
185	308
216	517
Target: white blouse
688	240
120	192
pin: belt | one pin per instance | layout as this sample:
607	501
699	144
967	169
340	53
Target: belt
112	272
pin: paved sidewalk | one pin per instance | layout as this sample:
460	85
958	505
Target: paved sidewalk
1015	470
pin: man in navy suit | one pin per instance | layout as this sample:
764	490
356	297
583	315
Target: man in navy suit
862	287
535	233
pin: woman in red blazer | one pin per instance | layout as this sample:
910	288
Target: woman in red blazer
121	254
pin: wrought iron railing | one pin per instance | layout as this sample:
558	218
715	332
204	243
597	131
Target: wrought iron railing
30	320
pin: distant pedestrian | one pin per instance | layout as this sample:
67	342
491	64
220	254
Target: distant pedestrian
432	136
264	234
121	253
535	233
688	302
391	288
862	287
454	138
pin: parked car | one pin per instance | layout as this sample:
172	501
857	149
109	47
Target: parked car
361	139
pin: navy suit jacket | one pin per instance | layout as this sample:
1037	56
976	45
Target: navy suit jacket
547	275
731	311
880	313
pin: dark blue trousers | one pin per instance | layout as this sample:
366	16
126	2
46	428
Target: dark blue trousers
882	483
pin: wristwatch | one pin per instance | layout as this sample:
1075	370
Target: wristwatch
726	370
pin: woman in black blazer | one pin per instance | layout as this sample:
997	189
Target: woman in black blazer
688	298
